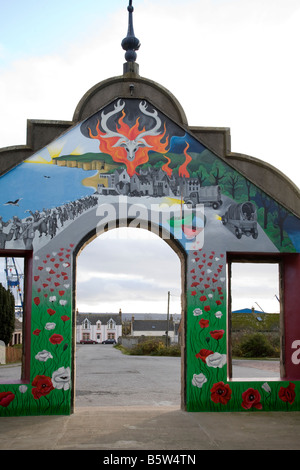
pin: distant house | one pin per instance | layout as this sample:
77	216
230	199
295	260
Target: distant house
98	327
17	335
156	328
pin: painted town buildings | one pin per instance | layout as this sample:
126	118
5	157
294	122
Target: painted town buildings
129	158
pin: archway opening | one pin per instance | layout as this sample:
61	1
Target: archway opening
255	320
130	291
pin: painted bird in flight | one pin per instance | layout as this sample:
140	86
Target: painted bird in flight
12	203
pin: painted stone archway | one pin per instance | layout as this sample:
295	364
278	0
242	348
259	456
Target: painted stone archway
130	164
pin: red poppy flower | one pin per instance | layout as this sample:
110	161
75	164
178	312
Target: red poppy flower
36	332
195	284
217	334
203	298
203	353
193	292
51	311
56	339
287	394
43	386
65	318
61	292
251	399
218	302
36	300
204	323
220	393
6	398
207	308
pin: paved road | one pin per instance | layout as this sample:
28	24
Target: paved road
106	377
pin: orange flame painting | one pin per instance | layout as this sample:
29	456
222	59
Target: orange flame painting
130	145
182	169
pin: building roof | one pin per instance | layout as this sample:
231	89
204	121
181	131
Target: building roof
247	310
18	325
150	316
94	317
152	325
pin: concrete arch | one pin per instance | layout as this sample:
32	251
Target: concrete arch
129	86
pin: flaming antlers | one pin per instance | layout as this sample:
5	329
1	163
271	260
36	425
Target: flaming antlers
131	145
126	144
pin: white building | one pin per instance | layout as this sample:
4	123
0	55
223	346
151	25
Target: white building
98	327
153	327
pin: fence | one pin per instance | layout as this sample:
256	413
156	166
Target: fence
13	354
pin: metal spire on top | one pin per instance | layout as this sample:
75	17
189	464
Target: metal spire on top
130	43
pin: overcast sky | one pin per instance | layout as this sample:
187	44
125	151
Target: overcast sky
230	63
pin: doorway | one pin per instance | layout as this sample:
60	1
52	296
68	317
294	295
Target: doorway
254	319
15	283
126	277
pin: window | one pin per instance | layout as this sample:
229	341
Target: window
15	276
254	320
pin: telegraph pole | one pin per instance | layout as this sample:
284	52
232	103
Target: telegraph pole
168	312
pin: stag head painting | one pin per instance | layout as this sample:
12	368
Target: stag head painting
130	144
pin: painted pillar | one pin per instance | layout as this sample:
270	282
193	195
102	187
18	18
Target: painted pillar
291	282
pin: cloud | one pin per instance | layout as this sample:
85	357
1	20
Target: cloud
130	269
255	285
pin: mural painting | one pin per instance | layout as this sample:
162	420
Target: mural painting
131	163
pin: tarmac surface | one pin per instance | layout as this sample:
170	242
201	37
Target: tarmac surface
151	428
147	416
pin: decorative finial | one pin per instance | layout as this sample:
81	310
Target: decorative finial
130	44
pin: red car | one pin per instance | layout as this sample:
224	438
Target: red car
88	341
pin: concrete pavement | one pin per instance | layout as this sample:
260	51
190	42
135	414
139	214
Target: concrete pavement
110	412
151	428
